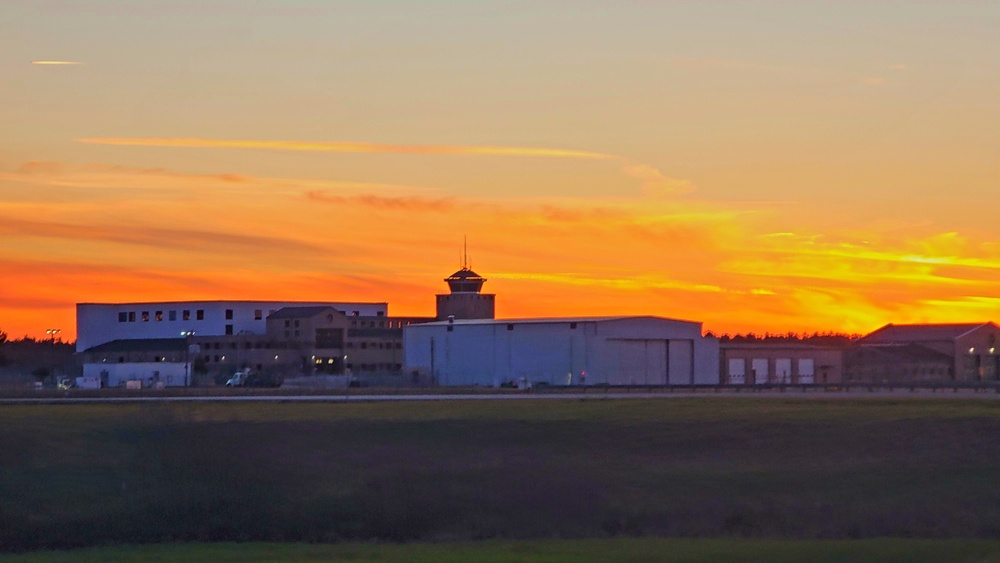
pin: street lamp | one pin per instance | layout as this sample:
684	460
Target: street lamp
52	332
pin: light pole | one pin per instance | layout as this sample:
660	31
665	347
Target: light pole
52	332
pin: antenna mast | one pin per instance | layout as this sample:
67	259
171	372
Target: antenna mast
465	252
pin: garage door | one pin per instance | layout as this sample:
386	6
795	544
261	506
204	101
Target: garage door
637	362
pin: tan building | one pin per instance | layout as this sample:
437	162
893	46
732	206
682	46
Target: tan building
767	363
312	340
905	363
970	348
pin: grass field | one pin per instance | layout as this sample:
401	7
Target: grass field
618	550
74	476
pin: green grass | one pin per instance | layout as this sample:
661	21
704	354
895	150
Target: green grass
89	475
550	551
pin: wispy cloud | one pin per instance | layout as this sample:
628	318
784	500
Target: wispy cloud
347	147
655	183
395	203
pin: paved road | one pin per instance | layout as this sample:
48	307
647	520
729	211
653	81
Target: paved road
592	396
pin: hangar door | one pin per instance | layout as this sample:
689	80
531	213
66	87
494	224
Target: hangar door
636	362
650	362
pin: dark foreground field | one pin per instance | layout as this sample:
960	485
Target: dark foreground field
612	550
73	476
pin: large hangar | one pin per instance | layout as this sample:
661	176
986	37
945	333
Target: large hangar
562	351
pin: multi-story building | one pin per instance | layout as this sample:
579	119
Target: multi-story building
98	323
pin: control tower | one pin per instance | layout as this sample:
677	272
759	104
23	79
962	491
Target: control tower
466	300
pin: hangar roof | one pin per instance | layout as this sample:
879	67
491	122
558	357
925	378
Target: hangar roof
141	345
920	332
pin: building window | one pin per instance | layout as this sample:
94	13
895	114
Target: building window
186	315
288	334
510	327
229	329
122	317
399	345
379	314
121	359
572	325
199	315
145	316
296	334
452	329
296	322
159	316
288	324
258	314
131	316
355	313
364	345
172	315
229	314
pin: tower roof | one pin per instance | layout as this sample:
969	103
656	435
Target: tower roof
465	281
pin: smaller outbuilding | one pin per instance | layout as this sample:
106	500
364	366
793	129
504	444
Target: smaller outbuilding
148	362
767	363
562	351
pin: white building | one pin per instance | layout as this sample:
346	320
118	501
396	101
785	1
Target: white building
99	323
569	351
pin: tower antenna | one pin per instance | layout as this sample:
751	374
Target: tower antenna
465	252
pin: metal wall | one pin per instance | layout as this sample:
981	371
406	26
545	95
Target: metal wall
626	351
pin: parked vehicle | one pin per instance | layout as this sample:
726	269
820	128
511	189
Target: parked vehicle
248	378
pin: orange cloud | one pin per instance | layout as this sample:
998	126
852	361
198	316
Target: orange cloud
190	240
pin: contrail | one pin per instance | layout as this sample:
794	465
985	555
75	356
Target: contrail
56	63
349	147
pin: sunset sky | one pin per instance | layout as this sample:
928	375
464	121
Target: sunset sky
757	166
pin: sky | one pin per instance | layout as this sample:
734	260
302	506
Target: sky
756	166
